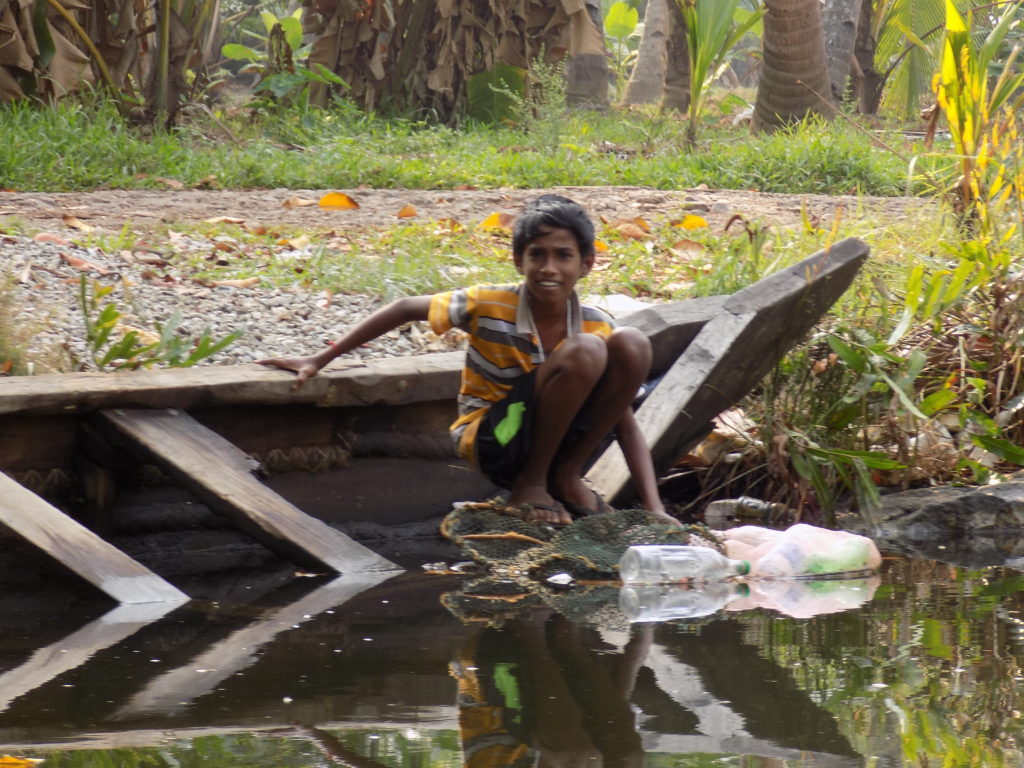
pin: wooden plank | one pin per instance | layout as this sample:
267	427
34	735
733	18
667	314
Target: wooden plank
730	355
75	547
345	382
221	476
174	690
76	649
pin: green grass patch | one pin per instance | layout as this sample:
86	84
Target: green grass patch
79	146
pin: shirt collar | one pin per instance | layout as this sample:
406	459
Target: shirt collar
524	314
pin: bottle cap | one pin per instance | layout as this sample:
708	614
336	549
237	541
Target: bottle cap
742	567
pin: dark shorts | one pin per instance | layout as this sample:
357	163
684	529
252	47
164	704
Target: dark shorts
505	435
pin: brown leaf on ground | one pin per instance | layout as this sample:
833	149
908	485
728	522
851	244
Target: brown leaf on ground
408	212
225	220
338	201
632	231
210	182
298	202
83	265
448	225
76	223
172	183
49	237
687	250
247	282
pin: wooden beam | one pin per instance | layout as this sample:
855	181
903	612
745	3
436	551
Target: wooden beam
730	356
75	547
221	476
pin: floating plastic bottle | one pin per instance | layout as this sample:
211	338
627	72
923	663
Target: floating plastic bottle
666	602
804	551
673	564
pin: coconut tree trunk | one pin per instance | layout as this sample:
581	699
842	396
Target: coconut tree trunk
839	19
647	81
794	83
867	81
676	95
586	71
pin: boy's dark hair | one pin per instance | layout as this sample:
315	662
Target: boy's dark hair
553	212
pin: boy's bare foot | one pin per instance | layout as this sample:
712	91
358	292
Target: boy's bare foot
582	500
540	506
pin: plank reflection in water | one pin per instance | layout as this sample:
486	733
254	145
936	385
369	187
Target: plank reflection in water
172	691
78	647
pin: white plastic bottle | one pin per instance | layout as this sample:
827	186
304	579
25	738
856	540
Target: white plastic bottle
667	602
674	564
805	551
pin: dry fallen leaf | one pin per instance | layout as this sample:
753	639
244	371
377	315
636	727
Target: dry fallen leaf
5	367
298	243
83	265
338	201
298	202
600	246
49	237
448	225
9	761
408	212
325	299
209	182
498	220
76	223
247	282
255	229
225	220
687	250
632	231
172	183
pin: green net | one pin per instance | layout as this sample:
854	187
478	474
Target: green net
519	557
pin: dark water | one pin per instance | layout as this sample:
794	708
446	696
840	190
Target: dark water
921	668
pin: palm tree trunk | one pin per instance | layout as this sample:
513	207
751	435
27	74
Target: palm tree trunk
647	81
794	83
676	95
839	20
586	70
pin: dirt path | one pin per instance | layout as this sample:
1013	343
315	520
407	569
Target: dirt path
146	210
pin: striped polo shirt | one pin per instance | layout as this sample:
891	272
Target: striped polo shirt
502	345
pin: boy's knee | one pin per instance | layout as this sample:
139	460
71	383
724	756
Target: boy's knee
629	346
586	354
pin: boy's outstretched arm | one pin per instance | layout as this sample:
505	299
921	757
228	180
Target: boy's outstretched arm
641	466
377	324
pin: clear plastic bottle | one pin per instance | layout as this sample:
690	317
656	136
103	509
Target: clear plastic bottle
673	564
666	602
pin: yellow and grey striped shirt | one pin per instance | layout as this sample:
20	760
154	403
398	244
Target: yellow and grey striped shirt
502	345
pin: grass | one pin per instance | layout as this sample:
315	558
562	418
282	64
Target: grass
77	146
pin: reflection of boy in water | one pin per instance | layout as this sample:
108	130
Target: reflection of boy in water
545	691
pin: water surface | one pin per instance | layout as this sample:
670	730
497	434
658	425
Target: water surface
423	670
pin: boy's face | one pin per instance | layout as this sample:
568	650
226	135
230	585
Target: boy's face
552	265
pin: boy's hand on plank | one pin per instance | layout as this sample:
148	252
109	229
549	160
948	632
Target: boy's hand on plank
304	367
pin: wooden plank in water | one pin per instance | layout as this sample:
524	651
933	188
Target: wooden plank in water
75	547
731	354
221	476
77	648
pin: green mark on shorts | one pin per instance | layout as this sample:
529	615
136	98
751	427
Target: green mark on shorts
509	426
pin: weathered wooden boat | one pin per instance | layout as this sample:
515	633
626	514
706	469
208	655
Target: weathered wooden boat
361	443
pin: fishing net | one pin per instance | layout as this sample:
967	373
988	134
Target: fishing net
518	558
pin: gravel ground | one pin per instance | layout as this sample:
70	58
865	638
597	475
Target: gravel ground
44	270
